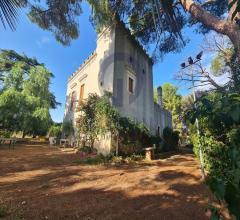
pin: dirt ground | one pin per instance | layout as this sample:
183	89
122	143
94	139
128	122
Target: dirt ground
39	182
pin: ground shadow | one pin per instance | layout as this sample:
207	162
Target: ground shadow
51	187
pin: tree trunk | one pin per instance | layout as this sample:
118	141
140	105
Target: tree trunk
225	27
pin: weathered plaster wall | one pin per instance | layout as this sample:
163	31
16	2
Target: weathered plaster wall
116	58
162	118
96	73
130	60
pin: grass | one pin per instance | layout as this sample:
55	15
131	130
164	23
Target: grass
100	159
11	212
3	211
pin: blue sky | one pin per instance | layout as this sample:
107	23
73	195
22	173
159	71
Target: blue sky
63	61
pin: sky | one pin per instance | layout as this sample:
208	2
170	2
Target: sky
62	61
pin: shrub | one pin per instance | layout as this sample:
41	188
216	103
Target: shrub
170	139
130	159
134	158
67	128
117	159
87	149
55	131
5	134
156	141
133	137
95	159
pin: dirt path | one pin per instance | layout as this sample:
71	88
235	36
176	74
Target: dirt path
45	183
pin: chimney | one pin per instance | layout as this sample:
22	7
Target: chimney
159	94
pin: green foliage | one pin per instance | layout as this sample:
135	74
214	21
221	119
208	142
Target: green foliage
117	159
187	103
98	117
110	159
3	211
170	140
131	132
8	12
106	116
86	149
156	141
219	118
173	103
5	133
95	160
25	98
158	22
59	17
55	131
133	137
67	128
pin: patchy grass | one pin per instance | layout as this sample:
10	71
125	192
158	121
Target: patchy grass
100	159
3	211
10	212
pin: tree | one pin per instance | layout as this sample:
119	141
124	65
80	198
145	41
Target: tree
57	16
8	12
25	98
219	123
86	121
55	131
172	102
98	117
159	21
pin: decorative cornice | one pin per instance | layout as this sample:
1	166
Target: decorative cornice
84	64
82	77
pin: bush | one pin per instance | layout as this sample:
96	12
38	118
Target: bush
5	134
133	137
117	159
170	140
88	150
67	128
156	141
97	159
130	159
134	158
55	131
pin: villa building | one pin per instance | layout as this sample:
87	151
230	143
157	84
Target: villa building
121	66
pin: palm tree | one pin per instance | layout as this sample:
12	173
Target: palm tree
8	12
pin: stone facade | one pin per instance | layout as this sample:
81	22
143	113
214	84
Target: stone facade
119	65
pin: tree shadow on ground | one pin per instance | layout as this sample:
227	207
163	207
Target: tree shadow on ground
51	187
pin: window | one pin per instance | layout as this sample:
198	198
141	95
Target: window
81	92
72	101
130	84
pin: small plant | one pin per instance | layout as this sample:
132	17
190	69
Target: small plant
3	211
96	160
117	159
86	149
